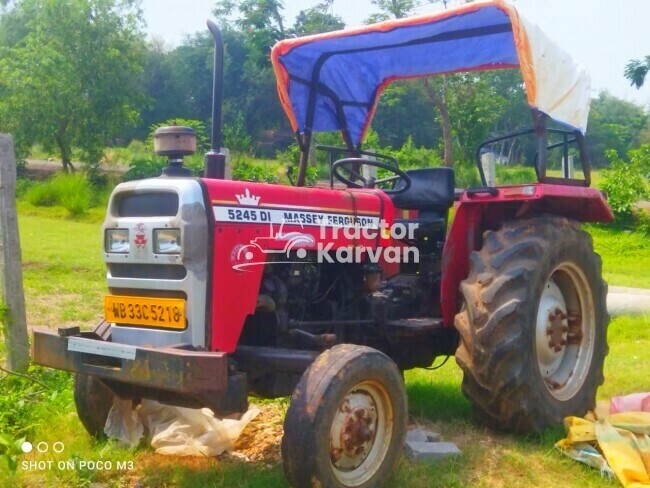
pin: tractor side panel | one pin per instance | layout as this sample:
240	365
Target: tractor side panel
255	223
482	212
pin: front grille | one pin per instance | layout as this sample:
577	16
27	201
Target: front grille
148	271
151	204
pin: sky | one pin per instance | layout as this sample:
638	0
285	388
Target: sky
602	35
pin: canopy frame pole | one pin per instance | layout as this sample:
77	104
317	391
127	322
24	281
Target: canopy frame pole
304	141
539	124
584	157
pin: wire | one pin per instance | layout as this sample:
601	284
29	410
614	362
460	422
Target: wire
433	368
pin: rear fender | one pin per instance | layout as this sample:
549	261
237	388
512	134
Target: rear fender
482	211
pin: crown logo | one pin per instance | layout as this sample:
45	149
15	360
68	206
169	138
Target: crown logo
248	199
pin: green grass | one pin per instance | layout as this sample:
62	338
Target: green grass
63	272
625	254
596	175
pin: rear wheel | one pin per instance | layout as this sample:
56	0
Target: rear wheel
534	325
93	401
346	423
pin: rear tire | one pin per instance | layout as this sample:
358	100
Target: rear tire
533	326
346	424
93	401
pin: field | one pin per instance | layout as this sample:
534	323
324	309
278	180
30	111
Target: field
64	284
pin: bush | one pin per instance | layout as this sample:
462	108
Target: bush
22	187
515	175
71	191
625	184
246	171
640	160
145	167
74	193
196	164
23	402
466	175
236	138
409	156
42	194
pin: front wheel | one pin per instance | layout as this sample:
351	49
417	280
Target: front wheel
533	325
346	424
93	401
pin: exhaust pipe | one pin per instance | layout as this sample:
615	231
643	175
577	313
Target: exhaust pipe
215	160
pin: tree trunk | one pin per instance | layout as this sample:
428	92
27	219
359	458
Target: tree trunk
511	152
502	150
64	148
440	101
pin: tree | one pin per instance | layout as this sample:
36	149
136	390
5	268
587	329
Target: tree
393	9
402	113
260	21
436	89
637	70
73	77
613	124
486	104
316	20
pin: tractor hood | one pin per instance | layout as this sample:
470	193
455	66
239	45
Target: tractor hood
256	223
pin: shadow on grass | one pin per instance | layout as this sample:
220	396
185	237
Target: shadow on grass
215	473
436	395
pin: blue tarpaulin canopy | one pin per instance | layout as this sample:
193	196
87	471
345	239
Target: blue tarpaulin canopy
333	81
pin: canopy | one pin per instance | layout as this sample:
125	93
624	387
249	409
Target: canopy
333	81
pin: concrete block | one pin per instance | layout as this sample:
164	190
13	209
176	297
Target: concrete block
416	435
433	437
431	451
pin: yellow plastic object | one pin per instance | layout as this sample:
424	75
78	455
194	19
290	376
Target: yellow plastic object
622	440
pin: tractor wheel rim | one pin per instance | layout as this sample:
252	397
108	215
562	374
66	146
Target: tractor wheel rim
360	434
565	331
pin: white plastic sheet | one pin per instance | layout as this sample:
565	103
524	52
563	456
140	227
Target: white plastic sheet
123	423
175	431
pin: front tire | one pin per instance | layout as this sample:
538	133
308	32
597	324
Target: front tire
346	423
93	401
533	325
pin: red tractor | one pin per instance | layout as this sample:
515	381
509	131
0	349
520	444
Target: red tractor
205	307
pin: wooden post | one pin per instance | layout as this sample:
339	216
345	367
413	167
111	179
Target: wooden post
11	273
489	168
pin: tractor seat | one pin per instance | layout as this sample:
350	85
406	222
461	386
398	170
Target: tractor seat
431	194
432	189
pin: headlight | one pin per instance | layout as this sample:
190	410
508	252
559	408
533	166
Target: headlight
167	241
117	240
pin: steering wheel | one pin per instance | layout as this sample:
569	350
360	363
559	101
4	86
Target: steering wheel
347	171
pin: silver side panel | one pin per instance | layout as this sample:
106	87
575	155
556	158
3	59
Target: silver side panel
192	220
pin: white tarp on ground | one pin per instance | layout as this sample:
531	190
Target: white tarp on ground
175	431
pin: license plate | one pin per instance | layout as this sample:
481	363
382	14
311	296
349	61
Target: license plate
146	312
